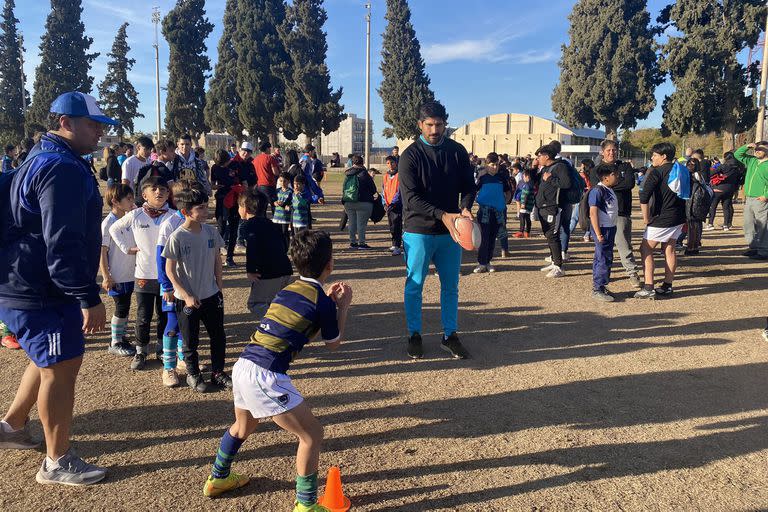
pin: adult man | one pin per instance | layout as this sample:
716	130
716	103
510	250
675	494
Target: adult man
8	158
277	156
664	220
133	164
550	202
244	161
267	170
623	189
756	202
191	167
434	175
48	291
396	153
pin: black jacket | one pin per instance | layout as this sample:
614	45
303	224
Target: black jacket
667	209
434	180
550	194
366	187
114	172
734	171
623	188
266	250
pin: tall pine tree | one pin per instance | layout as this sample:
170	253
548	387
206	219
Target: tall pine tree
186	28
405	86
701	59
263	66
311	104
65	62
222	101
609	71
11	78
119	99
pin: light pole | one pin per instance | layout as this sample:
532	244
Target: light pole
763	82
368	87
156	21
23	78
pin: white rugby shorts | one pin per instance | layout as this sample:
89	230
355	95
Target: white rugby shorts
663	235
262	392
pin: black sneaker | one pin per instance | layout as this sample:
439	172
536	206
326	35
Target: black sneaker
602	295
645	294
692	252
353	245
139	362
664	290
453	346
750	253
197	383
230	263
222	380
122	349
415	351
363	246
760	257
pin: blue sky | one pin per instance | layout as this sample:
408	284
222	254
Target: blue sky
483	56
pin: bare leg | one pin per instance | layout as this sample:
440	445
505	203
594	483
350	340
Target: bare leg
55	402
244	424
670	261
646	252
26	396
300	422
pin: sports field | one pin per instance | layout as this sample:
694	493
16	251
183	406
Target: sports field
566	404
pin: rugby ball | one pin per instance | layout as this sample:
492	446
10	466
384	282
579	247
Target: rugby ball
468	233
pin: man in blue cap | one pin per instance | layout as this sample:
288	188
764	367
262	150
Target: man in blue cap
49	256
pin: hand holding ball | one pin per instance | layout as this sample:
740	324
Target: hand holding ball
467	233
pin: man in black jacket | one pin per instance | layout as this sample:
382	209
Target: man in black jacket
623	190
550	200
437	186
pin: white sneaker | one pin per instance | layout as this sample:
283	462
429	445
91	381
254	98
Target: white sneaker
491	268
392	249
480	269
566	256
708	227
548	267
556	272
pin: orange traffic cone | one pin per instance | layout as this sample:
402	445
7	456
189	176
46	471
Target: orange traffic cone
333	498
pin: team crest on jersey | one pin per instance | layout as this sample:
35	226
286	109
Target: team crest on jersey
142	283
187	174
283	399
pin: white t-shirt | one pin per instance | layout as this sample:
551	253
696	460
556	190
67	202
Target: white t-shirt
122	266
604	198
137	229
131	168
167	228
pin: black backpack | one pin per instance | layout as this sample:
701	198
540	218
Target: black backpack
697	207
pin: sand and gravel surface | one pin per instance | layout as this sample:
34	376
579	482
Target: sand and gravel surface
566	404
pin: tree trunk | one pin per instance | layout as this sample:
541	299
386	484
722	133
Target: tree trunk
729	137
611	130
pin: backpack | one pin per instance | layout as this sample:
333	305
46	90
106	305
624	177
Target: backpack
717	179
698	205
350	189
574	194
103	174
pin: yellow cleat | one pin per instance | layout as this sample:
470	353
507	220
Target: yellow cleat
217	486
310	508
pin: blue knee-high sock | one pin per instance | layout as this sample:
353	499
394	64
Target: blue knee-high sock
169	352
227	450
181	348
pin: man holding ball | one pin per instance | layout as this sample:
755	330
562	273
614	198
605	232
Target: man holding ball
437	187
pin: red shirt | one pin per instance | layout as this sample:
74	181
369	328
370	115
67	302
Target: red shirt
265	177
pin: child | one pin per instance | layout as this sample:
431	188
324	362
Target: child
263	390
492	191
300	217
266	258
282	216
117	268
394	205
195	270
525	203
603	210
173	351
137	233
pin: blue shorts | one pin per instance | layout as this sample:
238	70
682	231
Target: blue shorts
50	335
121	289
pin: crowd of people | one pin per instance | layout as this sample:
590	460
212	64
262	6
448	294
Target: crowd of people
156	249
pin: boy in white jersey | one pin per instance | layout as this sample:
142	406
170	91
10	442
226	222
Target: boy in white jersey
117	268
137	233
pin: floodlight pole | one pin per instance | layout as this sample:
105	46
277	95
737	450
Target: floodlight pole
763	83
368	87
156	21
23	78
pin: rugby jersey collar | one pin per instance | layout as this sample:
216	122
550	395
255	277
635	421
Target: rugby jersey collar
310	280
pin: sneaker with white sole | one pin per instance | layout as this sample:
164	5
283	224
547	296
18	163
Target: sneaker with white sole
122	349
708	227
69	470
491	268
18	439
170	379
480	269
556	272
565	256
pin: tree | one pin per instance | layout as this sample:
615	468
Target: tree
222	101
701	59
405	86
311	104
65	63
11	78
185	28
263	66
119	99
609	71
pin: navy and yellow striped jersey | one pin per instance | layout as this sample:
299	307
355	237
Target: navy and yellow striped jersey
296	315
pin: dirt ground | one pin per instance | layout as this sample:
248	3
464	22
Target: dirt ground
566	404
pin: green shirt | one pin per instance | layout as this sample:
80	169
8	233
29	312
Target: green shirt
756	181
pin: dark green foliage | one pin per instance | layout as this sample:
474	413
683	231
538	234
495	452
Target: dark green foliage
700	58
311	105
11	79
119	99
609	71
406	85
186	28
263	65
222	100
65	62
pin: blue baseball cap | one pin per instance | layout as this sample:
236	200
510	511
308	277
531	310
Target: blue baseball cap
78	104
